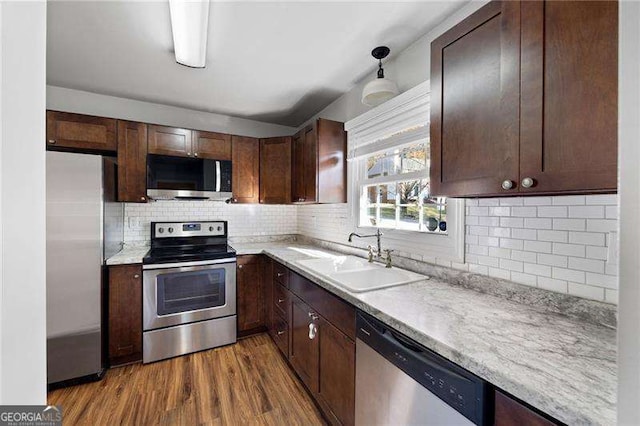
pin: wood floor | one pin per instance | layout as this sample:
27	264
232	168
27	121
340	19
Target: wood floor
245	383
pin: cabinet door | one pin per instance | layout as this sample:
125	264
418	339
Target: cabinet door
250	290
169	141
125	314
245	159
275	170
310	164
267	267
304	352
332	162
475	95
80	132
509	412
297	167
132	162
569	96
215	146
337	373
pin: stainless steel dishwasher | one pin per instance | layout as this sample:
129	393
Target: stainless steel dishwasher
399	382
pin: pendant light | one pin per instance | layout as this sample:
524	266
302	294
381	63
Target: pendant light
381	89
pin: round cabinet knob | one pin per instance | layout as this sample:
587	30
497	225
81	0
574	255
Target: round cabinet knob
136	276
170	230
195	154
160	230
189	154
239	266
211	229
142	198
219	228
52	141
507	184
527	182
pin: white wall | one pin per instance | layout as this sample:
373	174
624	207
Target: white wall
22	202
629	155
69	100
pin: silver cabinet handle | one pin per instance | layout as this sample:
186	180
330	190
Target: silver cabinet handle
280	333
189	154
142	198
313	331
136	276
507	184
313	316
239	266
280	300
527	182
280	274
52	141
195	154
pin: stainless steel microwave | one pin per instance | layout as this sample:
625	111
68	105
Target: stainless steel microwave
187	178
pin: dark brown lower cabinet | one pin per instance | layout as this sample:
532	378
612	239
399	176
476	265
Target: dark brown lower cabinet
304	353
125	314
510	412
250	294
313	330
337	385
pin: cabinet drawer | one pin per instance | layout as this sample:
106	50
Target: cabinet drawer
339	313
281	300
281	333
281	274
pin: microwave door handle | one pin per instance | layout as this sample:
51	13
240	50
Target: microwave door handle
217	176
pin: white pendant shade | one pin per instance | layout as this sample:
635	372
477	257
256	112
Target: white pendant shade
189	23
378	91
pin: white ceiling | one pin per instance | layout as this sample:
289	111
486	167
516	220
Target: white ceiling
278	62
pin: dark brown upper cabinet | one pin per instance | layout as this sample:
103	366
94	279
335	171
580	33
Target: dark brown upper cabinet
275	170
475	69
132	162
319	163
214	146
170	141
569	102
524	100
82	133
245	160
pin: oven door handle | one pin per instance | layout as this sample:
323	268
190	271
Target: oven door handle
187	264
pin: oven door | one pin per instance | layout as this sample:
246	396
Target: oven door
183	293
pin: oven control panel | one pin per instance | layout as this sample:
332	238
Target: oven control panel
188	229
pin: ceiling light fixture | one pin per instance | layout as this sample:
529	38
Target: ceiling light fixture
189	23
381	89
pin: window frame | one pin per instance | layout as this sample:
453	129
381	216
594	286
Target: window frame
405	111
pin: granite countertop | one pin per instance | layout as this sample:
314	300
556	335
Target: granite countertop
561	365
128	255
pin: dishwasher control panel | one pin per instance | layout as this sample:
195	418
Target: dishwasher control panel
456	386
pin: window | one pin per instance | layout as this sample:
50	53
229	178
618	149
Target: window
388	153
394	191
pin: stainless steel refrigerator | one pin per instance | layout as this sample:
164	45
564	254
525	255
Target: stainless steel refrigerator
84	227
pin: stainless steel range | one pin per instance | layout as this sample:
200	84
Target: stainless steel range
189	289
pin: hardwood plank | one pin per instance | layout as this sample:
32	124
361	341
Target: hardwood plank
246	383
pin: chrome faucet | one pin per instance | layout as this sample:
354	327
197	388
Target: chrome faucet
374	252
378	234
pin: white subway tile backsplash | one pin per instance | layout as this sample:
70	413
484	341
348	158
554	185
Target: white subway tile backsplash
537	223
589	265
538	246
555	211
555	242
552	260
552	284
568	274
569	249
593	212
586	291
538	270
553	236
